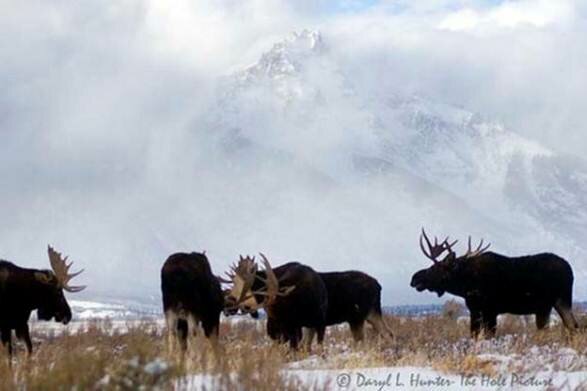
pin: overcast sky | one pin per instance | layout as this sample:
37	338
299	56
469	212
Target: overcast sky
97	97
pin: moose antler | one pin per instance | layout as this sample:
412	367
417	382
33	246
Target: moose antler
223	280
434	251
478	251
450	245
61	269
272	283
245	269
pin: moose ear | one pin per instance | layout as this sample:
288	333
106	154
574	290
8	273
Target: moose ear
451	257
42	277
457	263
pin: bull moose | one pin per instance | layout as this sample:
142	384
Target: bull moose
24	290
293	295
493	284
191	295
354	297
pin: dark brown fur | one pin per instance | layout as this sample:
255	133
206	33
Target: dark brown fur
305	306
353	297
191	295
493	284
23	291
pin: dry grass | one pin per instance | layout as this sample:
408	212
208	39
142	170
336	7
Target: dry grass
100	356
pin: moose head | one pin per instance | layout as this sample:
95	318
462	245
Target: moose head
53	282
253	289
442	275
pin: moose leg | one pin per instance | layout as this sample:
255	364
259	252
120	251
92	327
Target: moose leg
170	321
379	324
7	339
489	324
211	332
275	332
566	314
357	331
193	324
23	334
299	334
320	330
182	333
211	329
476	321
308	338
294	338
542	318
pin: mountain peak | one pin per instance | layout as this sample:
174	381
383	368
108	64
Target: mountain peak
286	57
308	39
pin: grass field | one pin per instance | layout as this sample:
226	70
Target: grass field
134	355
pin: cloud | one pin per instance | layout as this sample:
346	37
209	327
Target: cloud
517	62
510	15
107	151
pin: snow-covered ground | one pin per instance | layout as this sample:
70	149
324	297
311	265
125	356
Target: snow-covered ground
543	370
548	366
94	310
415	378
412	378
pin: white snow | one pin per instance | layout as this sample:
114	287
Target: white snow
412	378
156	367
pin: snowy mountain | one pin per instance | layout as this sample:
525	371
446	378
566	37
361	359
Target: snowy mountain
119	309
403	161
